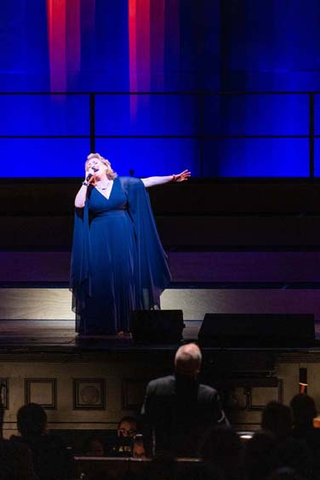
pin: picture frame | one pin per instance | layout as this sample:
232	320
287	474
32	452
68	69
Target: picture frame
89	394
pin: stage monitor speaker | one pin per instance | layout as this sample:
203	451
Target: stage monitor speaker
257	330
157	326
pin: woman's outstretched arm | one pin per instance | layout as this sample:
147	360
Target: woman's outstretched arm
153	181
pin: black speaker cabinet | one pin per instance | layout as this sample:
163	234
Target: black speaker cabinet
257	330
157	326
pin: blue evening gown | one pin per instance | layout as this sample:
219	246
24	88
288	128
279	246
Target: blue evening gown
118	264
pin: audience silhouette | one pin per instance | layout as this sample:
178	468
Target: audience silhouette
51	458
287	447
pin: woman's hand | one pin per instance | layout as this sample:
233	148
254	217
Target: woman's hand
89	172
182	177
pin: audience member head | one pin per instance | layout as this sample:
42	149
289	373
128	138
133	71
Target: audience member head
222	447
127	427
303	410
277	419
188	359
260	458
138	449
94	446
31	420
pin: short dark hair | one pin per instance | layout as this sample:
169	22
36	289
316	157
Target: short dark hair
277	418
128	419
31	419
303	409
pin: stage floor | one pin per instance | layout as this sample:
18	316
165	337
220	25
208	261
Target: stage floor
60	336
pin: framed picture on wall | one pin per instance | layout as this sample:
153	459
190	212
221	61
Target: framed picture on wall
89	394
42	391
4	392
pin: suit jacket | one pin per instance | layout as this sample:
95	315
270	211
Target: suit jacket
177	412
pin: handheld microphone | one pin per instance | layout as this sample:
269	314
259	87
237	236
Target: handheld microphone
90	175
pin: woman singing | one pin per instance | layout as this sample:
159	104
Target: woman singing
118	264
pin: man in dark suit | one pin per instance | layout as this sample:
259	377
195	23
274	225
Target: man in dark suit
178	410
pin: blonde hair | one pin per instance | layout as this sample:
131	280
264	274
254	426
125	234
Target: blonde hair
111	174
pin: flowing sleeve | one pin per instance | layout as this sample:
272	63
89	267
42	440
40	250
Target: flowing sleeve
80	283
153	270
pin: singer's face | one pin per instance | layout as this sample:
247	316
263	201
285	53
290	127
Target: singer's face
98	167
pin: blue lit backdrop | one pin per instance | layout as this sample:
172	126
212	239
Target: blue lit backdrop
159	46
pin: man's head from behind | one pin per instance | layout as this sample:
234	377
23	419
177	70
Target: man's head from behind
31	420
187	361
303	410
